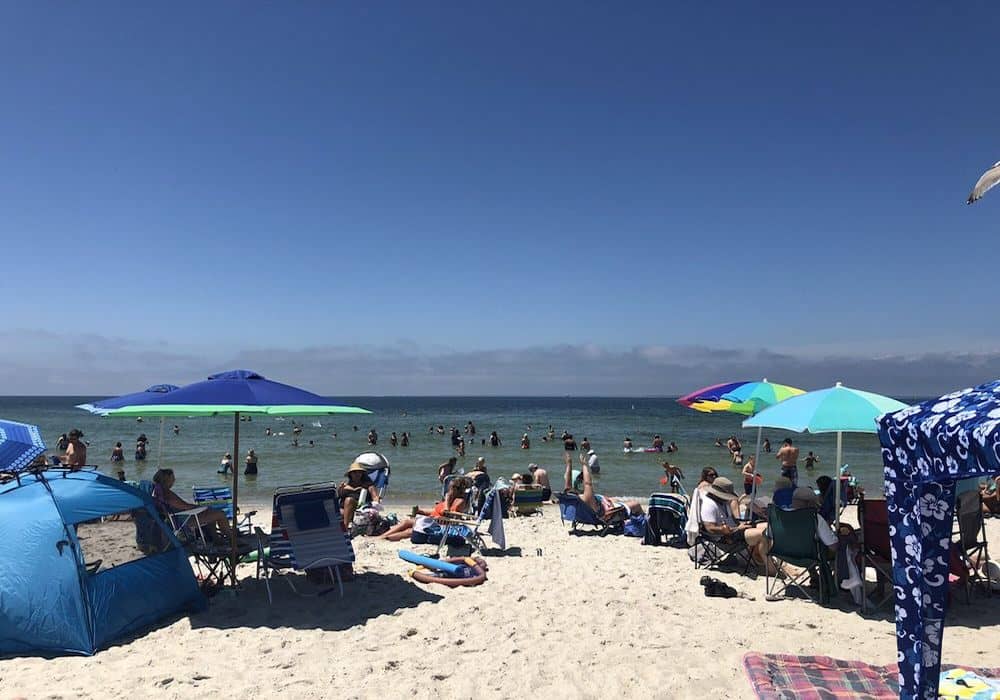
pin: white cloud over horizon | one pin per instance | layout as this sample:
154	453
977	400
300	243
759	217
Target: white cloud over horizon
47	363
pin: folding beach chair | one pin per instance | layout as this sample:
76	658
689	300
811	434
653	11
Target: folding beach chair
307	534
212	556
972	549
876	552
221	498
380	477
795	542
469	527
573	510
528	499
666	517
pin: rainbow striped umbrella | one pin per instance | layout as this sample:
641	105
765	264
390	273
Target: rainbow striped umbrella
761	394
709	394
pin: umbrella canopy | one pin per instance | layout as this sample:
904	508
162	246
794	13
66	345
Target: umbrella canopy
744	408
103	406
20	443
761	394
709	393
236	391
839	409
834	410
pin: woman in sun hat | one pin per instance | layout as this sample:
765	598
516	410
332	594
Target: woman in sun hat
350	490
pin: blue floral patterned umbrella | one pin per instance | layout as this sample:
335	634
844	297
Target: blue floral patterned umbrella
20	443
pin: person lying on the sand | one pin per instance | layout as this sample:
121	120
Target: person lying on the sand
168	501
604	506
454	501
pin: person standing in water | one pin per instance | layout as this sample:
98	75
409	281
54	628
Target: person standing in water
251	463
118	453
525	442
404	440
811	461
788	457
226	463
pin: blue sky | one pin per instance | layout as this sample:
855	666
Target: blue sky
215	179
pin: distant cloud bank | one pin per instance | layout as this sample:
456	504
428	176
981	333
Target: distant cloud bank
41	362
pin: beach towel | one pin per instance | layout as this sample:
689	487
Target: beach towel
790	677
694	517
496	523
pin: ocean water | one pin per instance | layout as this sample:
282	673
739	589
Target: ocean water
194	454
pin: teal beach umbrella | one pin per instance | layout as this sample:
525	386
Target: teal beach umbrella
839	409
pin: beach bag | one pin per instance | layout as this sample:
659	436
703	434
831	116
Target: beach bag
635	526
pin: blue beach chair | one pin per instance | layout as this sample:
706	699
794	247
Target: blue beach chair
221	498
573	510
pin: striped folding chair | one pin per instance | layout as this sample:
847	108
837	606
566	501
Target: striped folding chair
307	534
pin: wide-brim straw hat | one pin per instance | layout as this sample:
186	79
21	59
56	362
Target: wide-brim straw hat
355	467
722	488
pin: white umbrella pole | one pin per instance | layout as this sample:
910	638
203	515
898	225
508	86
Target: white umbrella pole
836	478
756	466
159	450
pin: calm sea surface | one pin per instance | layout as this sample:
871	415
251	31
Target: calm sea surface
195	452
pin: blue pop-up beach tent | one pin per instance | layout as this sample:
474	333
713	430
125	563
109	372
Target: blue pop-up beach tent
49	601
925	449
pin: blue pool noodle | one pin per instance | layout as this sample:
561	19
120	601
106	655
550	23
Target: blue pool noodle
435	564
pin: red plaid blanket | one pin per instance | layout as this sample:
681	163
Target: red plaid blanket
790	677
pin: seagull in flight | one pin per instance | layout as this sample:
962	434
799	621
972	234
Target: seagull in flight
985	183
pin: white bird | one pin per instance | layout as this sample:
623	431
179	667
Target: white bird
985	183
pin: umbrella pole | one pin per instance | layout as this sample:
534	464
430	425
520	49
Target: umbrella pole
756	471
236	483
159	450
836	478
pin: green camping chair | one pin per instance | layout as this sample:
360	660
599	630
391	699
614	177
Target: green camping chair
794	541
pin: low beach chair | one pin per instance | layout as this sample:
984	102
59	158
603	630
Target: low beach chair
666	517
307	534
528	500
794	541
972	549
573	510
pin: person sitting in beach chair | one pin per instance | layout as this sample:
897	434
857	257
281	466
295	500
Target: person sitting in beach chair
170	504
454	502
719	527
350	492
526	497
608	510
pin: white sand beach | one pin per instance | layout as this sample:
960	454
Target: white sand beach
560	616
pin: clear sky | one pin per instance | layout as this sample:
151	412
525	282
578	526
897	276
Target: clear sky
229	181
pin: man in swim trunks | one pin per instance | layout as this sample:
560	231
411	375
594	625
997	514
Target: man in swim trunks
603	506
788	457
541	477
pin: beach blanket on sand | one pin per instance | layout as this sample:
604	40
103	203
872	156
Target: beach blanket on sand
790	677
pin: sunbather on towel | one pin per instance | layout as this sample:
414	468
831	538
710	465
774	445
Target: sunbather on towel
350	491
167	500
454	501
602	505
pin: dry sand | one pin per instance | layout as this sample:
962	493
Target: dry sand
561	616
